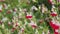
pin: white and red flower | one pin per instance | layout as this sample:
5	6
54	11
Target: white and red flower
22	29
0	8
17	24
15	9
50	1
28	16
53	14
9	23
54	26
48	32
13	29
33	24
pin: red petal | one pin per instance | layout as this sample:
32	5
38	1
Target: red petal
0	10
28	16
53	14
49	1
34	26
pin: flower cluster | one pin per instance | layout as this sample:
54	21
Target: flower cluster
28	17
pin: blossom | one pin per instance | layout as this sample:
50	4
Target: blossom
33	24
53	14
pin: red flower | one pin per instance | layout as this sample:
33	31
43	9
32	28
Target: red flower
33	25
28	17
53	14
8	12
13	29
50	1
22	29
0	10
55	27
16	24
